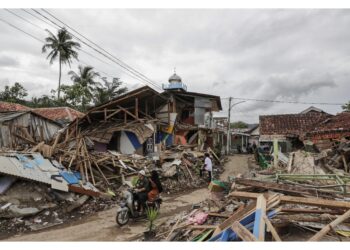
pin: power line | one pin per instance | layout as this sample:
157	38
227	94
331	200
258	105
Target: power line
289	102
138	77
99	47
41	41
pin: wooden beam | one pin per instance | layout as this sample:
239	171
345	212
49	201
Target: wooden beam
242	232
298	200
137	107
105	114
271	229
241	212
114	113
129	113
331	225
288	188
203	227
259	224
345	164
88	118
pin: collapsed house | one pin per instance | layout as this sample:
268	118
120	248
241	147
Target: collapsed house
289	129
21	128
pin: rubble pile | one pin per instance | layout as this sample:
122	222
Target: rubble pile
31	206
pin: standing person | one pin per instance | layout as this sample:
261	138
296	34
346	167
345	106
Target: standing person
208	166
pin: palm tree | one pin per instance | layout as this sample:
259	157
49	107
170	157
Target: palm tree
84	80
63	47
108	91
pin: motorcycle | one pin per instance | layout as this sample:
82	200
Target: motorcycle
127	207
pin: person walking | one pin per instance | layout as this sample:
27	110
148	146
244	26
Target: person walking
208	166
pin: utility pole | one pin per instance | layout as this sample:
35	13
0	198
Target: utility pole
228	140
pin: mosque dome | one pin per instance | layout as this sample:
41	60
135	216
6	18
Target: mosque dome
175	78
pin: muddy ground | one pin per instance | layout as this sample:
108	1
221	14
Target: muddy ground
102	226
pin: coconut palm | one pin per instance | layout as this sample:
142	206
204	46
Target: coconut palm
108	90
62	47
84	80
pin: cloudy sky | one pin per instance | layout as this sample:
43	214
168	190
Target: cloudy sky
289	55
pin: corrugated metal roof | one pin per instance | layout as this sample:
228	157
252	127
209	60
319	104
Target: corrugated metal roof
8	116
32	167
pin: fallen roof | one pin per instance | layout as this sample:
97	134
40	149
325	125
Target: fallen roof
59	114
8	106
290	124
195	94
32	166
339	122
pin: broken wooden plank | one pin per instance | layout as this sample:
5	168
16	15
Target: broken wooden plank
287	188
331	225
218	215
298	200
241	212
203	227
271	229
259	224
172	230
242	232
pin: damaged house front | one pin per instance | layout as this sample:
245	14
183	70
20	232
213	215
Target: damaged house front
20	128
143	121
289	129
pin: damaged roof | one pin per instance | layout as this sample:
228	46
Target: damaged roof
339	122
290	124
9	106
59	114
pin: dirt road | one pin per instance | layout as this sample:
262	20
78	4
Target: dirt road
102	226
237	164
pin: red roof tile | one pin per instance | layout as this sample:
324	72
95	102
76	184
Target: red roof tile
339	122
59	114
290	124
8	106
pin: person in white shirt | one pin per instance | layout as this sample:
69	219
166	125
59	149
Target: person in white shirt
208	166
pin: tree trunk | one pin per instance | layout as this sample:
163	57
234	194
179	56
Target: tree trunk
59	79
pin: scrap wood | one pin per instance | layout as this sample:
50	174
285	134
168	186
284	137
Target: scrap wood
271	229
311	211
260	212
298	200
241	212
172	230
242	232
203	227
327	228
218	215
291	189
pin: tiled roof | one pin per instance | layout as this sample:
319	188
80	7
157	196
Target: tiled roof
59	114
8	106
338	122
290	124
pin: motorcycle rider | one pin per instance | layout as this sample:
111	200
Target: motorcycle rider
142	189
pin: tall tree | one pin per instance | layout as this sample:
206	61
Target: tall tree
346	106
108	90
15	93
84	84
62	47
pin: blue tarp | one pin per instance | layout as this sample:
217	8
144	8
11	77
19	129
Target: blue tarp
69	177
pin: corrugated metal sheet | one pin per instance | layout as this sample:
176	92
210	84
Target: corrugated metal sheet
201	102
199	116
34	124
32	167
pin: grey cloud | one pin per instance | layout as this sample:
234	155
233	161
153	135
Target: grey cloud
264	54
8	61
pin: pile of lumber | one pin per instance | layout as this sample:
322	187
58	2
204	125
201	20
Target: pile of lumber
270	211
